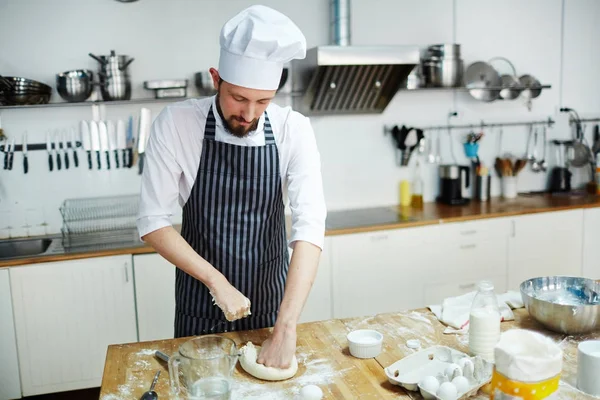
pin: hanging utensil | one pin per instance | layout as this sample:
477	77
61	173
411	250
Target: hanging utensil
543	163
65	148
24	150
95	136
11	154
74	147
86	141
535	165
112	141
6	154
57	150
103	132
49	150
143	133
122	141
130	142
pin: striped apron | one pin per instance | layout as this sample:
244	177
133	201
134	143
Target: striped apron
234	219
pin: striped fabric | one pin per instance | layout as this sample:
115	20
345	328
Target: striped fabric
234	219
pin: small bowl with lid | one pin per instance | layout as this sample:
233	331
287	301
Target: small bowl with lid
365	343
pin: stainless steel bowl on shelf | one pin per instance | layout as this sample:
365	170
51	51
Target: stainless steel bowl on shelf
564	304
75	86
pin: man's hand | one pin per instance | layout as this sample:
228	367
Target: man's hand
233	303
279	349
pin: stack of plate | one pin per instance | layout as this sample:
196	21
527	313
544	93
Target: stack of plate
22	91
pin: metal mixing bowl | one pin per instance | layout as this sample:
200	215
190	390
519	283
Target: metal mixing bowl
75	86
563	304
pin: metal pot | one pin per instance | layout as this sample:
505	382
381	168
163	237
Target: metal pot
113	62
75	86
510	87
443	72
444	50
115	87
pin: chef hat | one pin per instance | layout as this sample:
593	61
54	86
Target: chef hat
254	46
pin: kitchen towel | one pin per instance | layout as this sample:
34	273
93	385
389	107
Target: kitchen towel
454	311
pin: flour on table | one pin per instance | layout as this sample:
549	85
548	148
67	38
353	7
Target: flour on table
145	352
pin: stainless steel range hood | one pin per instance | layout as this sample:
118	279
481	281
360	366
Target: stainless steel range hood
345	79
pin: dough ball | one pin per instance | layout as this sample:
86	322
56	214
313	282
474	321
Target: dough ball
248	362
311	392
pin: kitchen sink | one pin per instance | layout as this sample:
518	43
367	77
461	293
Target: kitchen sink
17	248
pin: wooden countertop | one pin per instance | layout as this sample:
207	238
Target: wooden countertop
379	218
324	359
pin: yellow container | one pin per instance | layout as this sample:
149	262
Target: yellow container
405	193
504	388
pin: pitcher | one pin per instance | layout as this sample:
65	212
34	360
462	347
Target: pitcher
202	368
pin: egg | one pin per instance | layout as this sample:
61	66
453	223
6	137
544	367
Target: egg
461	383
430	384
452	371
447	391
467	367
311	392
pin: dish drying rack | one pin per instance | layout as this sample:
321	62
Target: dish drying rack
99	221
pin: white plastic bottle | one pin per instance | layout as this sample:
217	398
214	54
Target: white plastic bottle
484	322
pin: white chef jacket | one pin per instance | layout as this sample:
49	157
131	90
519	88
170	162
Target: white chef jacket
173	157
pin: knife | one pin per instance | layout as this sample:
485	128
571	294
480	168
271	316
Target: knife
112	141
143	132
6	153
49	149
11	153
57	149
24	150
65	148
84	130
104	141
130	142
74	147
95	141
122	141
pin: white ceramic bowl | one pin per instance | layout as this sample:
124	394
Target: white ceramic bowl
365	343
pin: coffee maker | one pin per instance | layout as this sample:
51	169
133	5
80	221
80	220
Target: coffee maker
560	177
454	184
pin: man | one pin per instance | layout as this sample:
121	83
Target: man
228	160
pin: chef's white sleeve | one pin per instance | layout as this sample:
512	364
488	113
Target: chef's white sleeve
160	178
305	185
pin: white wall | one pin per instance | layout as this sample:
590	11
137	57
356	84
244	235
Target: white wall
176	38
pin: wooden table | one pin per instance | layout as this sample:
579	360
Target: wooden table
324	359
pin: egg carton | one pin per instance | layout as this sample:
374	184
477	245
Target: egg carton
444	364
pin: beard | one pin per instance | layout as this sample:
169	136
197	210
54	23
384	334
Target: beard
231	124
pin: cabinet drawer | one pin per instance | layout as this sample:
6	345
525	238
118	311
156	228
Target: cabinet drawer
472	258
436	293
486	229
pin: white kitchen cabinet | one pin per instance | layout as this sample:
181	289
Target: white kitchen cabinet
66	315
319	305
384	271
591	243
154	296
10	383
543	244
471	251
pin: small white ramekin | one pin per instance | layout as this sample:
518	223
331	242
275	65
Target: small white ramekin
365	343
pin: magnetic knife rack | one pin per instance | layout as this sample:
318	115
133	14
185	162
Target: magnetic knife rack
37	146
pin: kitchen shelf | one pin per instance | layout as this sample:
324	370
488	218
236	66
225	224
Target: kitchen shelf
118	102
465	89
90	103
